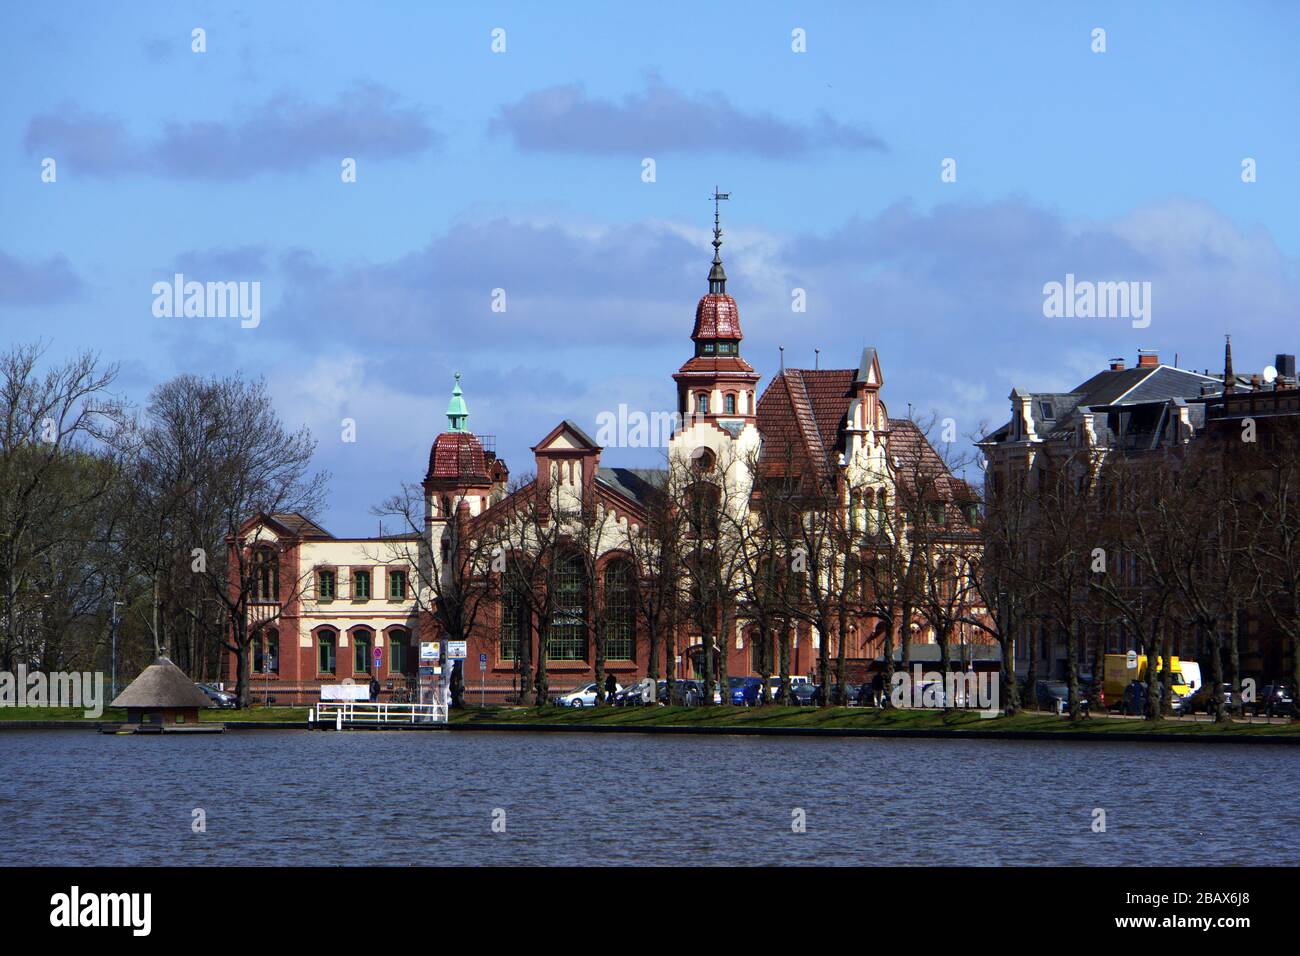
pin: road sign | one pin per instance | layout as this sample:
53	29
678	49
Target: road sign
482	662
457	650
379	658
428	651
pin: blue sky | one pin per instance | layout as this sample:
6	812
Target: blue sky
522	170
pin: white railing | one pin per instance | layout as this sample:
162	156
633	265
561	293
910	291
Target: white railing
378	712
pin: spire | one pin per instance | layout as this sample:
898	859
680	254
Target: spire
457	412
717	275
1229	380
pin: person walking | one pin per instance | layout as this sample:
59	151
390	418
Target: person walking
374	689
611	688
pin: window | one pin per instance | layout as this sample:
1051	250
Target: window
702	403
972	514
729	404
326	643
360	585
513	624
566	637
620	630
361	642
708	348
266	651
397	585
1045	409
266	577
399	651
936	515
326	585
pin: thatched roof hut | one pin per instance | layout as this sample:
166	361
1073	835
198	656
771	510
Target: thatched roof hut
162	694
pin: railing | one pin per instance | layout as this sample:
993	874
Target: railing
379	712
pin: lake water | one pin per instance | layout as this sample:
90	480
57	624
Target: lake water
286	797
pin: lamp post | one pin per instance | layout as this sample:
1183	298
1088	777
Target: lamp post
113	636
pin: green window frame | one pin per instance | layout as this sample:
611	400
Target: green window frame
620	629
327	650
399	650
362	642
361	585
729	404
397	585
326	585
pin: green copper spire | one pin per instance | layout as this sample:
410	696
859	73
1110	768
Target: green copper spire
457	412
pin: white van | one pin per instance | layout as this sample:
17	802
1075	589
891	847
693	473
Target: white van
1191	674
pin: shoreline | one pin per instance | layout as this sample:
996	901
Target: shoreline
1240	734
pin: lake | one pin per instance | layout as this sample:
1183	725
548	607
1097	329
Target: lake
291	797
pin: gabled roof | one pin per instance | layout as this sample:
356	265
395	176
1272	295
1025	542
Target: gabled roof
161	684
290	524
802	415
579	437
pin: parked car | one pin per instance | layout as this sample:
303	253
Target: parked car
581	697
1202	699
642	692
219	698
1054	695
1274	700
744	690
1135	700
803	695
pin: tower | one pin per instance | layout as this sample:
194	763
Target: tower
716	395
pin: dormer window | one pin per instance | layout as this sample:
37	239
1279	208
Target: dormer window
1045	409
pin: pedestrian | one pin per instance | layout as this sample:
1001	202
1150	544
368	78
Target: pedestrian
877	689
374	689
611	687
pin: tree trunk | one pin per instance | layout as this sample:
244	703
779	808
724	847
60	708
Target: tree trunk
1072	670
783	651
524	657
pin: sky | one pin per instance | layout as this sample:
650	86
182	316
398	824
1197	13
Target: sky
506	147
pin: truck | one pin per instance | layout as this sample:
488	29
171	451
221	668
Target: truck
1118	675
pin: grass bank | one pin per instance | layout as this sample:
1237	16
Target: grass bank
854	718
117	715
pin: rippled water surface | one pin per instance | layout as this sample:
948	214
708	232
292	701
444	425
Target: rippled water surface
290	797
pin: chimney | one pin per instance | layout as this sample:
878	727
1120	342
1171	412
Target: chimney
1148	358
1285	365
1117	364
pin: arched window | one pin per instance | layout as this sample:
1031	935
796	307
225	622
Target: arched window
326	646
399	651
566	637
729	404
702	403
362	641
266	576
514	622
620	629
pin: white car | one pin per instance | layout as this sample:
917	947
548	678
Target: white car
582	697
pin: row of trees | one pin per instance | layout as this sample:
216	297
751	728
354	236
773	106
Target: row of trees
113	513
1151	551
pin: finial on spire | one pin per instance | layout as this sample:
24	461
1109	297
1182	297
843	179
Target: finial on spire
717	275
457	410
1229	379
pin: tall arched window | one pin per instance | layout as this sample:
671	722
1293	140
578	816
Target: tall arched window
326	645
514	623
620	629
566	637
362	640
399	651
729	404
266	576
702	403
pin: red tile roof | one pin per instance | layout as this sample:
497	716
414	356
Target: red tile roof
717	317
710	364
458	456
801	416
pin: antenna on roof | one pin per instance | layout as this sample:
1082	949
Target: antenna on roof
782	348
817	358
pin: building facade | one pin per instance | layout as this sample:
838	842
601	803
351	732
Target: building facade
335	609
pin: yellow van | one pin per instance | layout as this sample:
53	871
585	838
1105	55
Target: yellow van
1118	675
